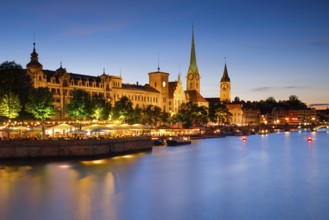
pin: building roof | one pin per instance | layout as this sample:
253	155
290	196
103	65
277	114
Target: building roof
139	87
195	96
212	101
74	76
225	77
193	68
34	63
157	72
233	106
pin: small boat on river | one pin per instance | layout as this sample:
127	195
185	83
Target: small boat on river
179	140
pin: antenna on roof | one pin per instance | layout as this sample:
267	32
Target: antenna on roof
179	71
158	62
61	64
33	40
120	71
103	70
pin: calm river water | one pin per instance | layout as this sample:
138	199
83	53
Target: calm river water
277	176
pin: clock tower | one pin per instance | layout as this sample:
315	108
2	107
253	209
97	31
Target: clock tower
225	87
193	77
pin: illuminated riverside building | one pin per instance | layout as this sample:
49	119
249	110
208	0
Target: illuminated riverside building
159	92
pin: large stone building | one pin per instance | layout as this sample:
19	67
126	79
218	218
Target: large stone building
159	91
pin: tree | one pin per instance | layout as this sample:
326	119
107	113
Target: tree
99	108
123	110
80	105
10	105
164	117
136	116
191	114
219	113
201	115
40	105
152	115
295	104
13	78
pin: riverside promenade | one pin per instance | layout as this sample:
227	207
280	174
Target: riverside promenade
13	149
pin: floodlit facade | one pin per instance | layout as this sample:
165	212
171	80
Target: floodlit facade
159	91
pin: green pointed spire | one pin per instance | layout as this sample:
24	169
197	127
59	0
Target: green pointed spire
193	66
225	77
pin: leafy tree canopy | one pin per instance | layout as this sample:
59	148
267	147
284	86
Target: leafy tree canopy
190	114
15	79
123	110
40	104
80	105
10	105
100	110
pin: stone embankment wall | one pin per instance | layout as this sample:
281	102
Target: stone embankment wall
73	148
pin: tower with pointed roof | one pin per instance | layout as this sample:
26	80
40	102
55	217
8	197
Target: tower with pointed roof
193	77
34	69
225	87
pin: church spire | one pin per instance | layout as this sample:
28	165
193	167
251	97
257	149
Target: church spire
225	77
193	66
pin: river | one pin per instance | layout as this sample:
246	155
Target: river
275	176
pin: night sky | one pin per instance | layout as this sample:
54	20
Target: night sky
274	48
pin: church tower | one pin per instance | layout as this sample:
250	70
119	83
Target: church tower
193	77
225	87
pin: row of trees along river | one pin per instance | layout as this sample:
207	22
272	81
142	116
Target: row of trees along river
19	100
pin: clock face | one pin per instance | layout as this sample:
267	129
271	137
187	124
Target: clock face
190	76
163	84
225	86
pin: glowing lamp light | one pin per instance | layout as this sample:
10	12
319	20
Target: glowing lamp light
309	139
244	138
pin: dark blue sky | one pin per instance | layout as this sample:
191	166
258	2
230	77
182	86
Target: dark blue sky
273	47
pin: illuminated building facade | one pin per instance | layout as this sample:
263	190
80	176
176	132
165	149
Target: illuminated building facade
159	92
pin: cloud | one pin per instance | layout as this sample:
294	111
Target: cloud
260	89
293	87
270	88
90	30
321	42
319	104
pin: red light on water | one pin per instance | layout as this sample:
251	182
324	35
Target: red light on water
309	139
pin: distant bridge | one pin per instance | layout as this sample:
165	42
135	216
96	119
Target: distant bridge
321	126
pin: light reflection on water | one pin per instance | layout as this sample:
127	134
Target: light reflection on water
276	176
